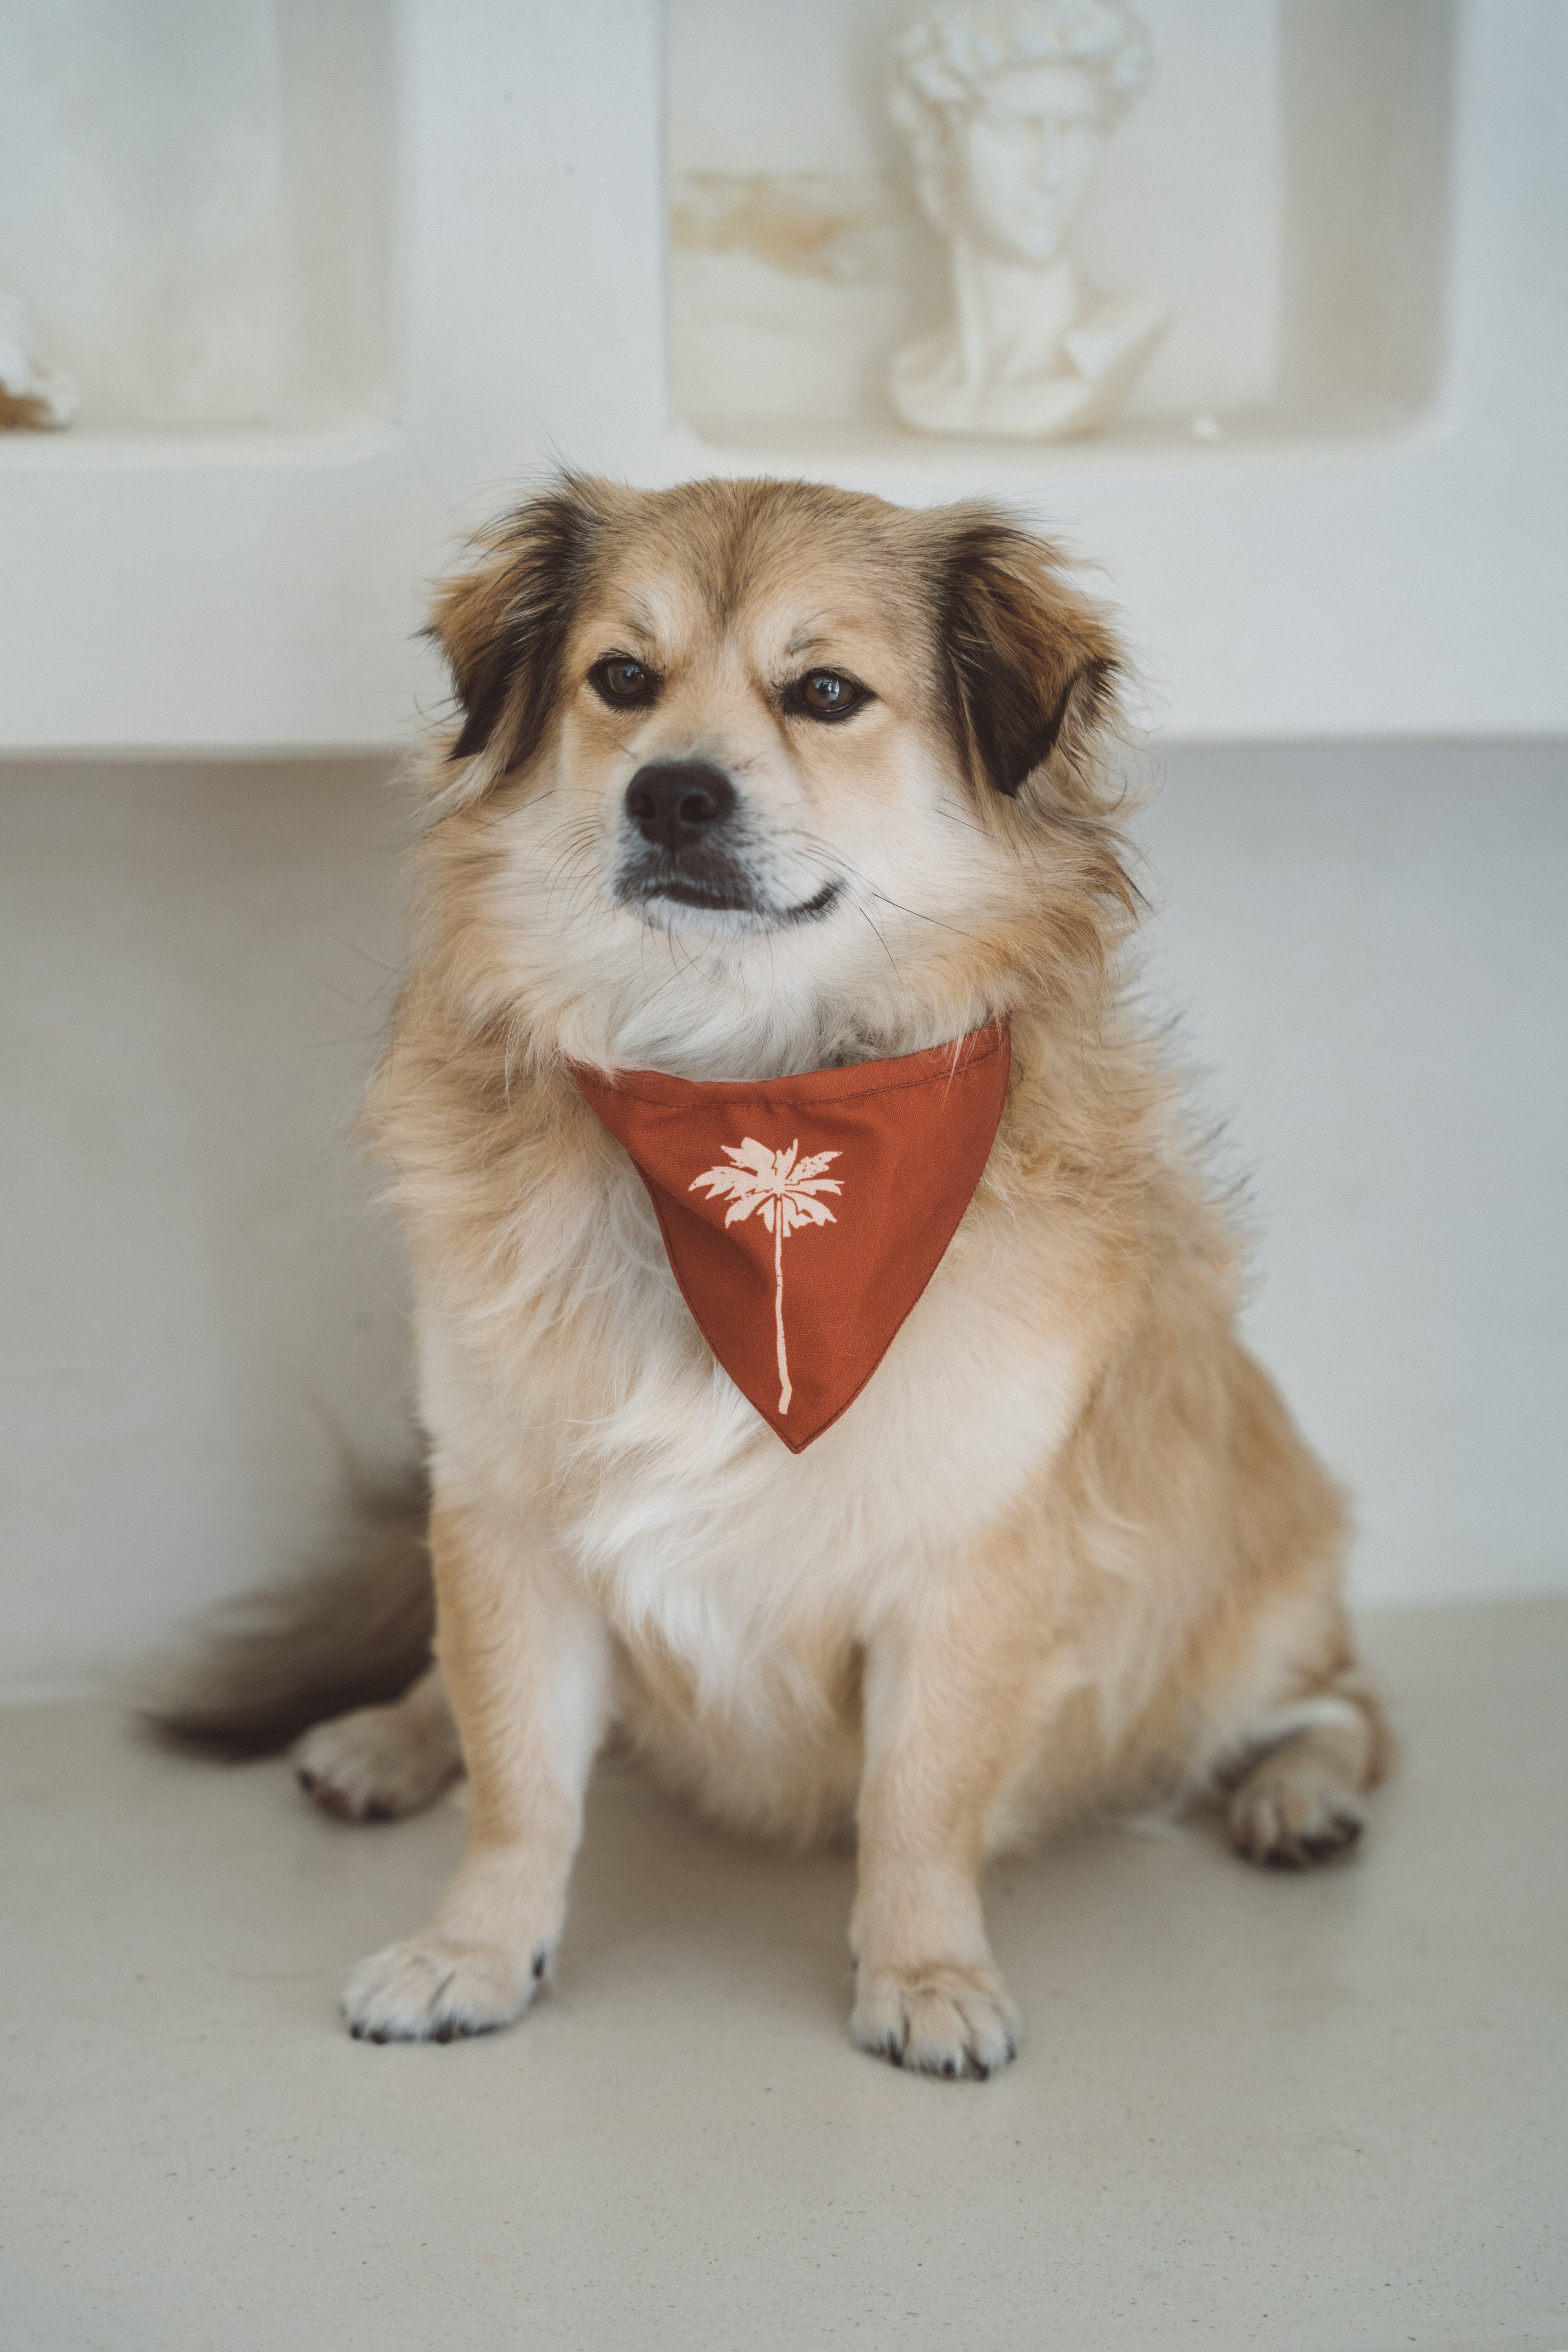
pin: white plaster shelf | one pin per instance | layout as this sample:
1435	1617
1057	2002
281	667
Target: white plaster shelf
1273	584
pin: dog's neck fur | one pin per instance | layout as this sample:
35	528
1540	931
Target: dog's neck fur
715	1019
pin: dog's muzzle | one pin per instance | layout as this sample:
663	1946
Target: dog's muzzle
685	810
694	846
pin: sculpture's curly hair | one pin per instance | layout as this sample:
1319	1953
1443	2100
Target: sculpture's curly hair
946	59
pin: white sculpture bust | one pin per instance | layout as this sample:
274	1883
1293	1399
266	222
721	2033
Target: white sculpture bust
1009	105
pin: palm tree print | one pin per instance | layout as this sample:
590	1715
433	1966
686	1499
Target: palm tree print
784	1189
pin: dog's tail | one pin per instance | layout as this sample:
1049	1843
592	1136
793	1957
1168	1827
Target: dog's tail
353	1633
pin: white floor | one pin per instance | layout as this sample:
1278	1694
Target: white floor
1325	2114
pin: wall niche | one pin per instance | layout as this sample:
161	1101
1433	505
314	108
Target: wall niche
196	205
1281	187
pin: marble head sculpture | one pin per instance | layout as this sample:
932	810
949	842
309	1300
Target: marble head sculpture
1009	105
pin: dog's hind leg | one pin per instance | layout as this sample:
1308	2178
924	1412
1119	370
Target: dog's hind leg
381	1762
1295	1793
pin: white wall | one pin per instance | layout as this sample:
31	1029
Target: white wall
1371	947
195	962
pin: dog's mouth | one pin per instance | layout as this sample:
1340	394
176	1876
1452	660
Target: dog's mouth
720	890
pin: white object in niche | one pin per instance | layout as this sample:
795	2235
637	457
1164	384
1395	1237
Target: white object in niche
31	397
1009	105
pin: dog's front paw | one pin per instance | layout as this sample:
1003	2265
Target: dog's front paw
940	2019
434	1990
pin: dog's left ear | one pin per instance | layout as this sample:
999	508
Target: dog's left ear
1030	666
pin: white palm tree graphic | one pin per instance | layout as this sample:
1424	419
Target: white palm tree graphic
784	1189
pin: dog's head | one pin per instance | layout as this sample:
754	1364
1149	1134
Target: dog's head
755	775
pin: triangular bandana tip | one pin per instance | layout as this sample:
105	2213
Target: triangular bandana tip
803	1217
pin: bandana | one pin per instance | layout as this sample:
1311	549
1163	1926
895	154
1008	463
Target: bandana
803	1217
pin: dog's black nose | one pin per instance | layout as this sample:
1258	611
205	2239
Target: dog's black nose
675	802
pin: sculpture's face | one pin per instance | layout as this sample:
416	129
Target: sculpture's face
1026	159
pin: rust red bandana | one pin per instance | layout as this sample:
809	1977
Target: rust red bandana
803	1217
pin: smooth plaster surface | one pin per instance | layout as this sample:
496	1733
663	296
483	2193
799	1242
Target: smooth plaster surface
1326	2114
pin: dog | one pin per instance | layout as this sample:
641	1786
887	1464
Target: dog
755	785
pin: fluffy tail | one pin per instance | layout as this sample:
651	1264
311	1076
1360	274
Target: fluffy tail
355	1633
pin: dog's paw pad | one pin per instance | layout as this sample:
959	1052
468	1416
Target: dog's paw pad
940	2019
430	1989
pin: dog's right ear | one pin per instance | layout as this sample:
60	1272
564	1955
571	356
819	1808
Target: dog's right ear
503	625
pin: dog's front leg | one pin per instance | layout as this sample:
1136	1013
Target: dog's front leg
946	1708
526	1663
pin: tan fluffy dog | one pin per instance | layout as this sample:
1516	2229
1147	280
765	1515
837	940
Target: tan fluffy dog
1066	1552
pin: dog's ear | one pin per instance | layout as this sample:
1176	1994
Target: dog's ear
502	627
1029	667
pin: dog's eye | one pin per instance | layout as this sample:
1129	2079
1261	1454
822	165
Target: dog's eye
826	694
622	684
